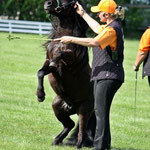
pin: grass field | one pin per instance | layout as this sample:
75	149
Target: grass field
26	124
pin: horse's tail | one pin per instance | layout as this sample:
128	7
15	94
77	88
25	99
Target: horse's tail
88	142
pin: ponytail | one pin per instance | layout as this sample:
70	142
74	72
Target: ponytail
119	13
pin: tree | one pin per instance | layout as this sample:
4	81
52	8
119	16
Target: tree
32	9
23	9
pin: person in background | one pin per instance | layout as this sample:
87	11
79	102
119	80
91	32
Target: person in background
144	55
107	67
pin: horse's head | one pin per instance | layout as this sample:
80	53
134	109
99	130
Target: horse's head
59	7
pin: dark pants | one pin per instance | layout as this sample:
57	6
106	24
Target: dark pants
104	91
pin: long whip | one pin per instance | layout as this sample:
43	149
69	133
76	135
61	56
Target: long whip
11	37
135	98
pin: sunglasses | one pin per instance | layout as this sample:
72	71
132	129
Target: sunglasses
99	13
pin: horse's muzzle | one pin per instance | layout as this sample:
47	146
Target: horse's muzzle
47	5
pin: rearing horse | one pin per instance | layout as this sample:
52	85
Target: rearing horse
68	70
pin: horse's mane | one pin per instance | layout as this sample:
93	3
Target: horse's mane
80	26
79	30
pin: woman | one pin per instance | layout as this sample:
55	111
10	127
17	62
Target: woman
107	68
144	55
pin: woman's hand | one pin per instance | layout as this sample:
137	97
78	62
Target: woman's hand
135	68
79	9
64	39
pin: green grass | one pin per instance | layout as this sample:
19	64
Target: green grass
26	124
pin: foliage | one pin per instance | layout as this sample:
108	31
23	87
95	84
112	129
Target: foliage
27	124
23	9
33	10
146	2
137	18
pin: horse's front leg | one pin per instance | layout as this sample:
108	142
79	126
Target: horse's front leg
67	57
41	73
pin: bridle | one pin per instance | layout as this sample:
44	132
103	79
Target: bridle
60	7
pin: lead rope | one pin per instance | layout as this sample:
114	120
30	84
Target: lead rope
58	3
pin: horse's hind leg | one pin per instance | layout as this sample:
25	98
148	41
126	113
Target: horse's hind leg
84	112
88	142
61	112
41	73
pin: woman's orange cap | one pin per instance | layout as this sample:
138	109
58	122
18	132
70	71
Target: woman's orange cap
107	6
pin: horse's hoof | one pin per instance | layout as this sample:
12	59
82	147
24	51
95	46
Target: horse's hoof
57	143
41	99
79	145
53	65
40	95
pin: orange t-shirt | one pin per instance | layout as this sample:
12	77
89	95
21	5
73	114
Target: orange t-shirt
145	41
107	36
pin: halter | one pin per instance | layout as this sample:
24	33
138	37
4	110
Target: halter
61	6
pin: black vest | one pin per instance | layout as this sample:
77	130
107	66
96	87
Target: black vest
146	66
104	66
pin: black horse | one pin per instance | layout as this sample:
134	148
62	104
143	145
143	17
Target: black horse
68	70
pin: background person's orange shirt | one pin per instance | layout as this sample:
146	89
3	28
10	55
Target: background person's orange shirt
107	37
144	45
